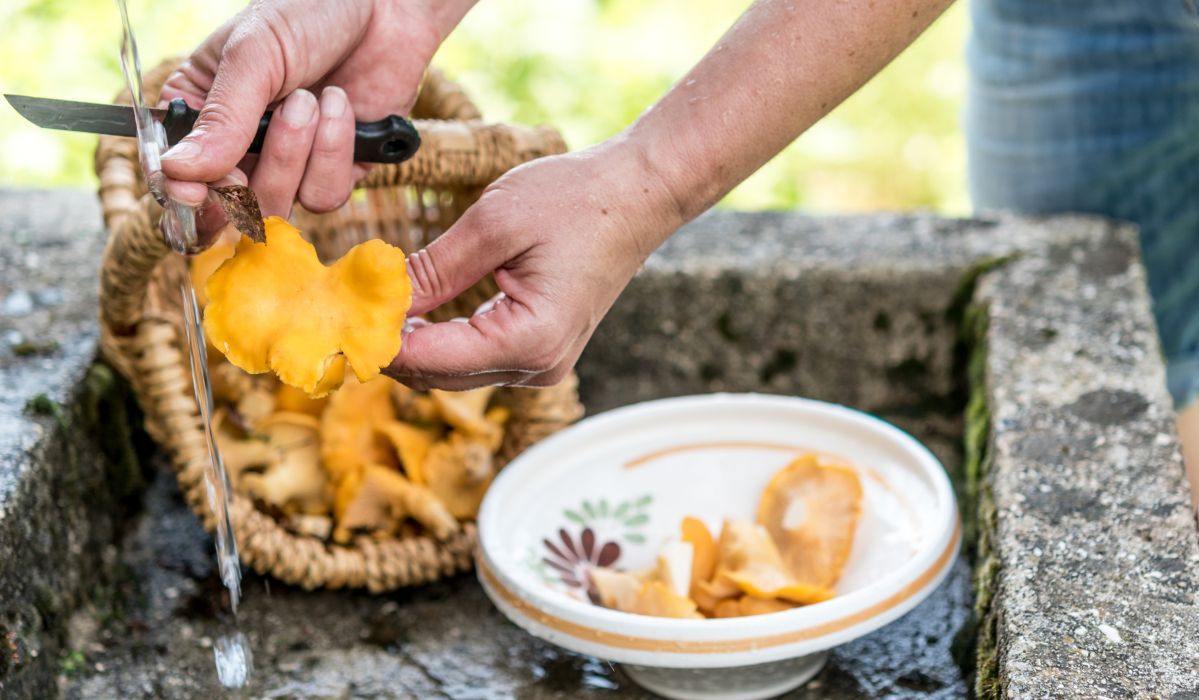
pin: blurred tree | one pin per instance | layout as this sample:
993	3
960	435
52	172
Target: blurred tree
588	67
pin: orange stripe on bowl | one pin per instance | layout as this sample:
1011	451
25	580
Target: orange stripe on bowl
625	641
727	444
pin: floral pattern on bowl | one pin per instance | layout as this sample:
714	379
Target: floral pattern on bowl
567	559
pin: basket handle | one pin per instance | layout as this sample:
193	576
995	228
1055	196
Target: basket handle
441	98
457	154
134	249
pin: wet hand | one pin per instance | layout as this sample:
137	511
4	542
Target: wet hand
563	235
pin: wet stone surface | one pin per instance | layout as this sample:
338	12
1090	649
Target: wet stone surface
56	507
442	641
1096	551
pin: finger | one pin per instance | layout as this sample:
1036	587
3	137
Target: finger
475	381
476	245
555	375
510	339
242	88
280	167
329	174
190	193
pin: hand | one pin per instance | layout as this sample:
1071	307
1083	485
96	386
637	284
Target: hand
564	235
365	59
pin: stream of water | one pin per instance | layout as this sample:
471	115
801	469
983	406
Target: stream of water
231	651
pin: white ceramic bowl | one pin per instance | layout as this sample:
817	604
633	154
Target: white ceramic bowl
614	487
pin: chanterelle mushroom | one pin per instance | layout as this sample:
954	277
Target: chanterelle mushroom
466	412
412	445
294	480
348	435
458	471
275	307
377	499
414	407
289	398
241	455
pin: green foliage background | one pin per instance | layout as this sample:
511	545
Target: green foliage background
588	67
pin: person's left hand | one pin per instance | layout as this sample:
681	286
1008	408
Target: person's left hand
564	235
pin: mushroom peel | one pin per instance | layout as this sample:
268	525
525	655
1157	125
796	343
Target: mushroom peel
274	307
644	596
811	511
703	549
750	561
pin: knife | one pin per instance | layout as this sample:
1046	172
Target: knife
392	139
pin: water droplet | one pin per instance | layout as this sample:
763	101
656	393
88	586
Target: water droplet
233	660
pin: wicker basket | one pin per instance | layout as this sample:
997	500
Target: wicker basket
407	205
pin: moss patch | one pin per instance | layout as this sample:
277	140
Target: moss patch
979	505
977	644
106	411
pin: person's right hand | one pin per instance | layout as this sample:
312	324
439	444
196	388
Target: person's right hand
365	58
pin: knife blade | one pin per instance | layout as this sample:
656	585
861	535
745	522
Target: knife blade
392	139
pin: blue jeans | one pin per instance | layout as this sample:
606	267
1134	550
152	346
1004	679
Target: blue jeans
1093	106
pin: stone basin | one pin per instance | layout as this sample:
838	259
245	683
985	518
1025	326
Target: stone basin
1021	351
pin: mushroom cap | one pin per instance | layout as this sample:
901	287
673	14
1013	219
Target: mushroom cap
203	264
288	398
458	471
412	444
811	511
274	307
348	436
749	605
242	455
377	499
294	480
466	412
414	407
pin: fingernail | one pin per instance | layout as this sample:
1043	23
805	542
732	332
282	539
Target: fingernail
333	101
184	150
414	322
298	108
190	193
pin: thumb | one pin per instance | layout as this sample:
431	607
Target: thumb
473	247
241	90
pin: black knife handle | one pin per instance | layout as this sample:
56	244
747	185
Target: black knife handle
392	139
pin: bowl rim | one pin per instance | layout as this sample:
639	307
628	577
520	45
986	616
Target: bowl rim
626	636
